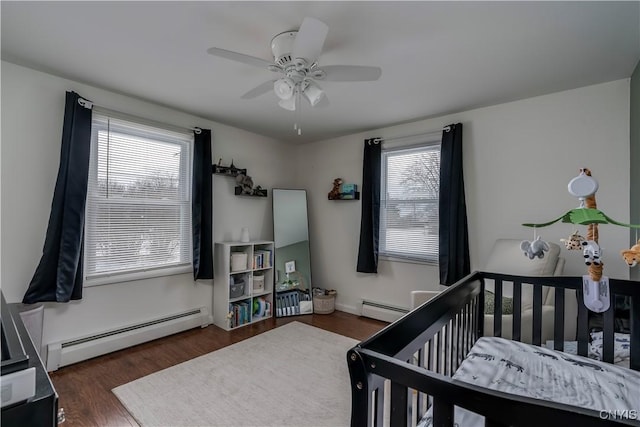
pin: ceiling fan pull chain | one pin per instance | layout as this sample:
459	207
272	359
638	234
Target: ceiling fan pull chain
298	108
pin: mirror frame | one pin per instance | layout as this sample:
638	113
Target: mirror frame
301	301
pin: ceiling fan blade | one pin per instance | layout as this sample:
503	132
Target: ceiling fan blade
350	73
310	39
259	90
239	57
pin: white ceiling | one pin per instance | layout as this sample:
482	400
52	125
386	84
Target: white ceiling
436	57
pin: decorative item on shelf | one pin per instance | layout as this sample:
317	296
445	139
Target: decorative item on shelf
259	192
334	194
245	183
595	285
244	235
348	191
256	192
230	170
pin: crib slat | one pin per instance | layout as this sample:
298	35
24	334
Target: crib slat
537	314
583	324
516	333
468	327
379	404
608	331
481	306
634	302
459	341
438	352
475	317
497	309
399	406
442	413
420	402
558	320
445	350
463	315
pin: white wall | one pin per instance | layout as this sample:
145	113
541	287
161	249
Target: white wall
635	162
32	114
518	159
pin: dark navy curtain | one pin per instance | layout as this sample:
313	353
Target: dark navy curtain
201	206
58	276
454	236
370	218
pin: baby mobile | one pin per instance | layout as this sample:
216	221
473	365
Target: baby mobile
595	286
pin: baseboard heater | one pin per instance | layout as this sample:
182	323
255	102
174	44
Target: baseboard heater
382	311
65	353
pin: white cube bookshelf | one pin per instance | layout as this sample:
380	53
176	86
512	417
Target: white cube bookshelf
238	267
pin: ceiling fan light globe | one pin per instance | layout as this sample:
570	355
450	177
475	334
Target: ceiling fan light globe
313	93
288	104
284	88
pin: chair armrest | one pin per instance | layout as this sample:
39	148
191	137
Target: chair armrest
559	267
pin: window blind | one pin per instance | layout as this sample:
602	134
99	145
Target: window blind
409	202
138	199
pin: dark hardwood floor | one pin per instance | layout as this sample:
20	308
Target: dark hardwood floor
84	388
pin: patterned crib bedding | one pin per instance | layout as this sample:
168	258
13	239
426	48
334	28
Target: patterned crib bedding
527	370
621	348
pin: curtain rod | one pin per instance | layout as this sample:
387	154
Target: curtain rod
419	135
90	105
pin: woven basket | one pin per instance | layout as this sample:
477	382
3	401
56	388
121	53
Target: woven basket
324	304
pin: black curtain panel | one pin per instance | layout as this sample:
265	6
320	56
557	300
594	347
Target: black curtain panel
201	206
370	219
58	276
454	236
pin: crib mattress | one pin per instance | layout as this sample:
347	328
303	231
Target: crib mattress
523	369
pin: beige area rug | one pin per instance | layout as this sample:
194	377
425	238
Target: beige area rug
294	375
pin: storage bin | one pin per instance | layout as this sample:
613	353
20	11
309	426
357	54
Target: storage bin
238	261
324	304
236	289
258	283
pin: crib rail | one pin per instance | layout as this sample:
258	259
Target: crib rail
400	372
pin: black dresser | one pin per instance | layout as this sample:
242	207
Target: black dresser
21	368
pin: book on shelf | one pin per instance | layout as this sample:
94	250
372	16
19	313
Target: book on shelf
239	313
262	258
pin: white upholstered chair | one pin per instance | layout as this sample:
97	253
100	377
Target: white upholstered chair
506	257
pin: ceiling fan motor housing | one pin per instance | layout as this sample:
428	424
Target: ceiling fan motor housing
282	46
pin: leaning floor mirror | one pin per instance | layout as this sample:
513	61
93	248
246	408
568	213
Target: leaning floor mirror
292	258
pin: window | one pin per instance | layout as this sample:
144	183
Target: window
138	221
409	202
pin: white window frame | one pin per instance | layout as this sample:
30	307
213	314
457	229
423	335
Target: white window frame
389	148
124	275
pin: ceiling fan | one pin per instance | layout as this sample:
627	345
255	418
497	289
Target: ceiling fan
295	56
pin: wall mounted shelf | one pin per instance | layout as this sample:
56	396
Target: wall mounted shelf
227	170
356	196
256	193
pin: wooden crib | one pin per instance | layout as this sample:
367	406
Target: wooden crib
405	371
